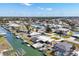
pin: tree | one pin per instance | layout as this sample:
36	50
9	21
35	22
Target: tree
48	29
28	28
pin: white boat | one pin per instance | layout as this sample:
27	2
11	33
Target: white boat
18	37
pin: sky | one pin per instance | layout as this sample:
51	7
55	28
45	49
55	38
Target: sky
39	9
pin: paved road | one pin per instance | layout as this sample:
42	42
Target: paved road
17	45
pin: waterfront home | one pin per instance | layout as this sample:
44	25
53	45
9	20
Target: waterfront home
37	45
63	48
34	39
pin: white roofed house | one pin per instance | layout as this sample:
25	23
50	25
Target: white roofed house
13	26
34	33
41	42
63	29
45	38
38	38
37	45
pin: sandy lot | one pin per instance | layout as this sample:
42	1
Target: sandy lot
3	44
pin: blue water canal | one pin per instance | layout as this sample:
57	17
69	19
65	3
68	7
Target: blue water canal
21	49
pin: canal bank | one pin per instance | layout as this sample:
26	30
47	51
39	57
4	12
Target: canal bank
21	49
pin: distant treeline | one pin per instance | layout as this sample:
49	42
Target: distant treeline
37	18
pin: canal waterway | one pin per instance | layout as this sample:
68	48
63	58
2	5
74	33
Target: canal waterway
21	49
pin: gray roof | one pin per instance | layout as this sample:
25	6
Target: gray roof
63	46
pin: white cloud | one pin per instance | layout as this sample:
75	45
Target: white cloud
41	8
47	9
27	4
